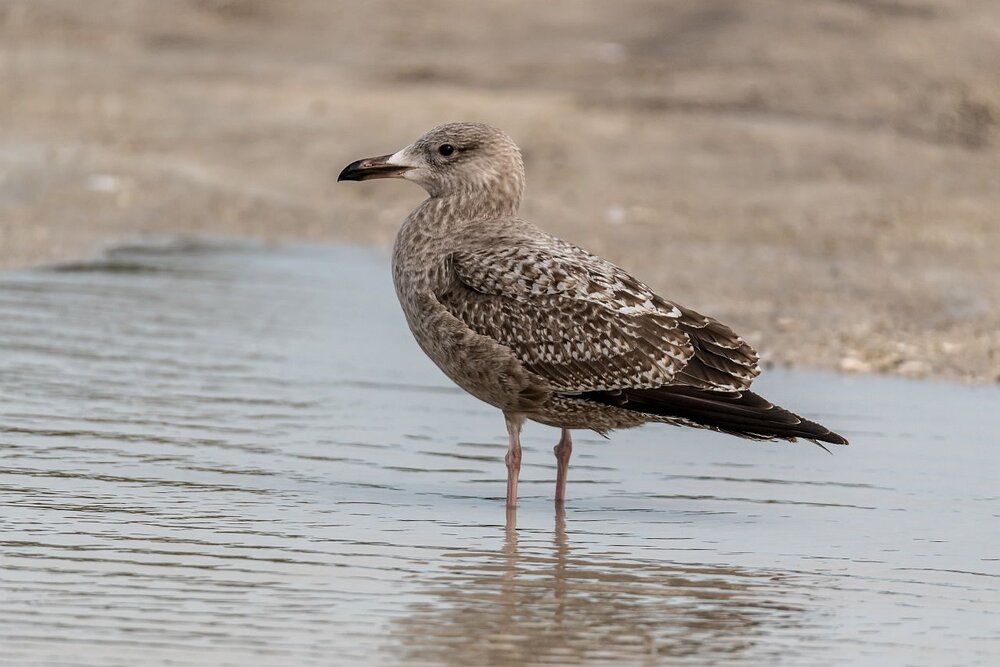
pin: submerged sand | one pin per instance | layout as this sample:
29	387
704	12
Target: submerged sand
823	176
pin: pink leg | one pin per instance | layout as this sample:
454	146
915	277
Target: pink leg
563	451
513	458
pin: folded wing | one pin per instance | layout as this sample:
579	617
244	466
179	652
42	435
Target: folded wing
583	324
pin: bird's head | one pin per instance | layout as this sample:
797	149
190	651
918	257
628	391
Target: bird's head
469	160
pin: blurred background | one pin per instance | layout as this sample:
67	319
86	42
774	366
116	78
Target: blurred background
823	175
215	451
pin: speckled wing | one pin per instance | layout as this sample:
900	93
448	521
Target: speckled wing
583	324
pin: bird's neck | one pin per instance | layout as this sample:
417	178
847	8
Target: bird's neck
469	205
428	234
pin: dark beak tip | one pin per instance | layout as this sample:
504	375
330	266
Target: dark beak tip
351	172
371	168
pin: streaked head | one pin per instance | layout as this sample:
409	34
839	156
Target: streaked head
470	159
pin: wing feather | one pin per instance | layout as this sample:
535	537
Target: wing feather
583	324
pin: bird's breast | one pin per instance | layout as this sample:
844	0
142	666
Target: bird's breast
478	364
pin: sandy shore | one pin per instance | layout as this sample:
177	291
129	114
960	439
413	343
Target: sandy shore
823	176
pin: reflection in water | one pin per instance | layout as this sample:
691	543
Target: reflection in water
554	602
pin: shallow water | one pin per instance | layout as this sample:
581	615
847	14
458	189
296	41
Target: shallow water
232	455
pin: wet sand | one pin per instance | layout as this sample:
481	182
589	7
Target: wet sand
219	454
825	176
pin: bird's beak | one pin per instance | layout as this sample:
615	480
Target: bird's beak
372	167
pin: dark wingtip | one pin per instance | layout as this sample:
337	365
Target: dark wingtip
830	438
835	439
744	413
821	434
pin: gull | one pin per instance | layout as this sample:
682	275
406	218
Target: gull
544	330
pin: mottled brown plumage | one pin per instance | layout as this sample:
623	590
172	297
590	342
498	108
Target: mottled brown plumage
544	330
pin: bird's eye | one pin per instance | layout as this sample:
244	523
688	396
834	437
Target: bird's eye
446	149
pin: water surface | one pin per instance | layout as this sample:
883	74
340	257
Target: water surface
219	455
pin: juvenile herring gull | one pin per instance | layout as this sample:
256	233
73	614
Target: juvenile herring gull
542	329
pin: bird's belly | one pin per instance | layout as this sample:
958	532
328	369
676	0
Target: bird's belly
572	413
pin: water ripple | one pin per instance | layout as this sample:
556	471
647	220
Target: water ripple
230	455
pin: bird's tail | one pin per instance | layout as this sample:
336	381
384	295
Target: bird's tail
741	413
